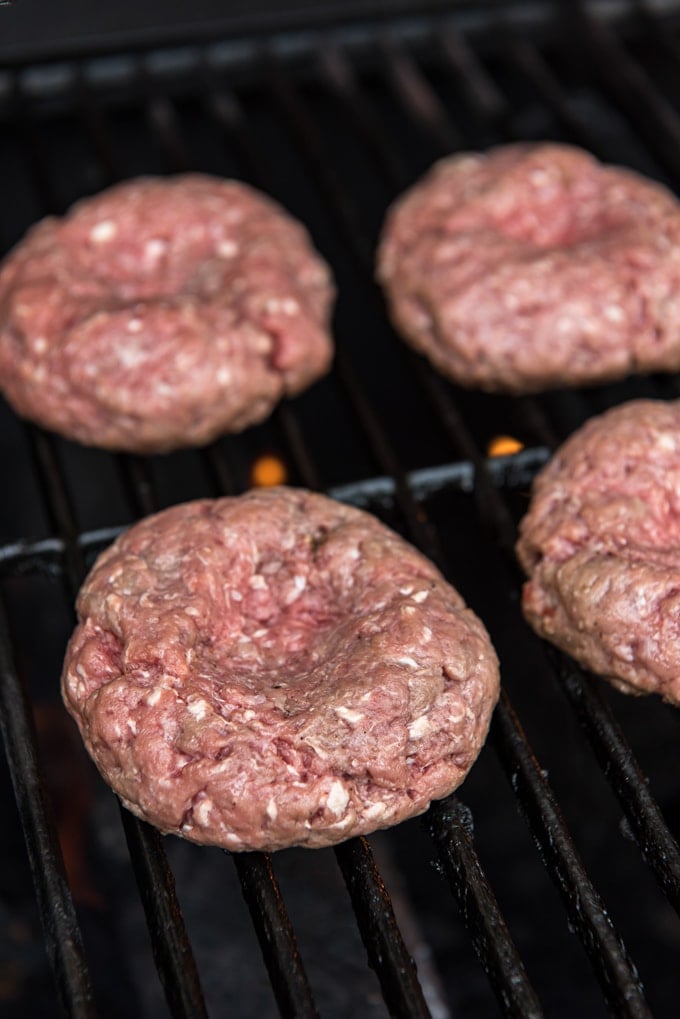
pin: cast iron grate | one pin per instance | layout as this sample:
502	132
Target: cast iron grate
335	125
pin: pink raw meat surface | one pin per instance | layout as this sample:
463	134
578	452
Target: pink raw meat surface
535	266
601	547
276	669
162	313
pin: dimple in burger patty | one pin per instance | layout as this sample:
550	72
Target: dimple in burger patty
276	669
534	266
162	313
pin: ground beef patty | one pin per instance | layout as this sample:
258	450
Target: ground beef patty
601	546
162	313
276	669
535	266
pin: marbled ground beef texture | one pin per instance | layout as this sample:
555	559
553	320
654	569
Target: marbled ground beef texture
161	313
535	266
601	547
276	669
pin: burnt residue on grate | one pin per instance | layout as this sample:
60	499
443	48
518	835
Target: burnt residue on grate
550	884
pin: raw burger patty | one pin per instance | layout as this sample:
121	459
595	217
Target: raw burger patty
535	266
601	546
276	669
162	313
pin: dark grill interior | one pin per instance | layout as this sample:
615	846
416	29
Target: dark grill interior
555	875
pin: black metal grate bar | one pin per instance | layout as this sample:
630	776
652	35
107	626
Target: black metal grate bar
608	955
483	93
62	933
260	889
422	104
449	824
655	120
659	849
489	934
657	845
227	110
370	921
340	75
382	938
653	116
417	99
533	65
137	483
275	934
297	446
170	942
217	470
606	950
58	503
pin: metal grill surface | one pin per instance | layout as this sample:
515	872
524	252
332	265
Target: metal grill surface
551	883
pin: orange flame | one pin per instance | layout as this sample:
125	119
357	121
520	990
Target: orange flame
504	445
268	470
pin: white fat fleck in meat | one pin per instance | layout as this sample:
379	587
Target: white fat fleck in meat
427	635
154	249
539	177
224	376
132	726
342	823
349	716
421	596
134	325
257	582
299	584
103	231
131	358
191	610
242	717
236	595
614	313
154	697
233	840
202	812
406	590
199	709
262	343
406	660
666	441
457	712
337	799
40	344
419	727
227	249
375	810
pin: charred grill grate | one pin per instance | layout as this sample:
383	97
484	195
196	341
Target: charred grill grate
335	125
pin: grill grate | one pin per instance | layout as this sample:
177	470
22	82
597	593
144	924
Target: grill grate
335	125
